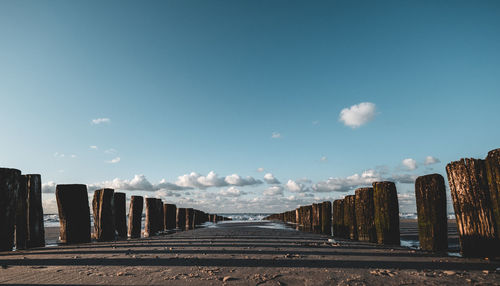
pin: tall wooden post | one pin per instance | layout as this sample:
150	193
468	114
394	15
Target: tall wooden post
170	213
36	230
159	215
22	214
308	217
181	218
326	218
189	218
9	191
119	213
385	201
350	224
316	214
104	222
74	213
338	218
493	172
151	213
135	216
430	194
473	208
365	215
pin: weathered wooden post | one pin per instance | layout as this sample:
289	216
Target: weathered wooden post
159	216
119	213
308	217
430	194
36	230
181	218
326	218
22	214
189	218
473	208
316	216
9	191
365	215
386	206
135	216
151	214
104	222
338	218
350	224
169	215
74	213
493	172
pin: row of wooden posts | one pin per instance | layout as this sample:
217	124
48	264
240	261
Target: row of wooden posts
372	213
21	213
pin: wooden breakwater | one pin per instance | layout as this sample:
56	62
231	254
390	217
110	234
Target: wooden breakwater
372	213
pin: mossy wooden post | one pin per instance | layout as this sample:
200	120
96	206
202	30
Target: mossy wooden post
104	222
386	206
9	191
181	218
473	208
120	214
338	218
326	218
170	213
74	213
493	172
365	215
22	214
36	230
151	214
135	216
189	218
350	224
430	195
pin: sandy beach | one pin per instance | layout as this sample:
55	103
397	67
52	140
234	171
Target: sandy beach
246	253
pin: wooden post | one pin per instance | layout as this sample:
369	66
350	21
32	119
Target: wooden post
9	191
135	216
189	218
326	218
493	172
119	213
316	216
350	225
21	214
74	213
386	206
308	217
430	194
181	218
104	222
297	216
159	216
169	212
338	218
473	208
365	215
36	230
151	214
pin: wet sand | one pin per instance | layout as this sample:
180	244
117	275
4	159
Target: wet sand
252	253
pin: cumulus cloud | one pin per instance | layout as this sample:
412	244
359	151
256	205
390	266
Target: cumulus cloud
429	160
231	192
260	170
114	160
276	135
270	179
410	164
358	114
49	187
195	180
100	120
138	183
347	183
296	187
273	191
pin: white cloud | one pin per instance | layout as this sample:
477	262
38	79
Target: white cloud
49	187
260	170
324	159
138	183
358	114
59	155
114	160
231	192
296	187
429	160
273	191
93	147
403	178
195	180
110	151
347	183
410	164
276	135
270	179
100	120
73	156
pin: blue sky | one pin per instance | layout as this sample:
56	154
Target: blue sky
233	86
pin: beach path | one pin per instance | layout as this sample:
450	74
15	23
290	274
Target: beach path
240	253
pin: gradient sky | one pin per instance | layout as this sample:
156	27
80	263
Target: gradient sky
152	96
